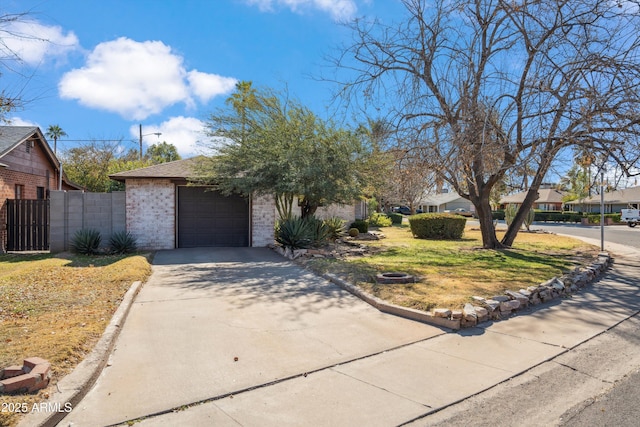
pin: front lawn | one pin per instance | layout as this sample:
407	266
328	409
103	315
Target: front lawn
57	307
452	272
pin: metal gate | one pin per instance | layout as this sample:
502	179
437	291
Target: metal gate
27	225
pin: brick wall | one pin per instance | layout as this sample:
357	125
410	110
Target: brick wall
151	212
263	214
346	212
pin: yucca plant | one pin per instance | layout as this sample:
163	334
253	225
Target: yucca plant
122	242
86	241
294	233
335	227
319	231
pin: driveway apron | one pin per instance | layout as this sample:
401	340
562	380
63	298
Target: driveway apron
212	322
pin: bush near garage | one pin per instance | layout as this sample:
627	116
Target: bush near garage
437	226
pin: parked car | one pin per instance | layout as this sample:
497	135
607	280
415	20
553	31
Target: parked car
462	212
404	210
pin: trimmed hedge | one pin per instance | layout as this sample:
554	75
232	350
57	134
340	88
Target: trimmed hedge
595	218
437	226
396	218
361	224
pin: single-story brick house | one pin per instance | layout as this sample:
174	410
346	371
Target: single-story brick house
29	169
549	199
444	201
614	201
163	211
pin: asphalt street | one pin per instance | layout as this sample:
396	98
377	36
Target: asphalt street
605	370
618	234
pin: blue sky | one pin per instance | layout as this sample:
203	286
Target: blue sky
99	68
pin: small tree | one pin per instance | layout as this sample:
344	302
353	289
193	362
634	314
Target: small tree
162	152
268	144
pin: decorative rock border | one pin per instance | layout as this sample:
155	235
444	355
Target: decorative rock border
503	306
33	375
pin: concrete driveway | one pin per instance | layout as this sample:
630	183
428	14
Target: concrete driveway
215	322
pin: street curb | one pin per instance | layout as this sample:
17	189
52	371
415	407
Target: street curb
74	386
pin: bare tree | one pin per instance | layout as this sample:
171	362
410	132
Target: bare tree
490	86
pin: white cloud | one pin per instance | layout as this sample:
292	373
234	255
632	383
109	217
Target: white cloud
183	132
206	86
17	121
338	9
138	79
32	42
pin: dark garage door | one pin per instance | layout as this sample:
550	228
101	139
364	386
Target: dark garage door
207	218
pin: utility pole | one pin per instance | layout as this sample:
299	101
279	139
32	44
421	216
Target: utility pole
141	135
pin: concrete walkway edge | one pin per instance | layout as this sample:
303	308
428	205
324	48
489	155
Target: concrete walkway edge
74	386
396	310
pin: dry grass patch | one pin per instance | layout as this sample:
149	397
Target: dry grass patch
57	307
451	272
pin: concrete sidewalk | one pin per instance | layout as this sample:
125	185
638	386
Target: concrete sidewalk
246	338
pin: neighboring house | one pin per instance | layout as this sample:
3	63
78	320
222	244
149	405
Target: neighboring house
445	202
28	170
549	199
614	201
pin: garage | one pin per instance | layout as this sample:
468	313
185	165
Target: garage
206	218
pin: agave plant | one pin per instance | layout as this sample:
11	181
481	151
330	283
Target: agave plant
122	242
294	233
335	227
86	241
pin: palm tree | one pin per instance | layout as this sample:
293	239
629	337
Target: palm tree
55	132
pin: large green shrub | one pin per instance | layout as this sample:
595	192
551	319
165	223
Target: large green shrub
437	226
86	241
122	242
379	220
361	224
396	218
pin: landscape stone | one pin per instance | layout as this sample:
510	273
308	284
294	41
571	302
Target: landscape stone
492	304
441	312
469	312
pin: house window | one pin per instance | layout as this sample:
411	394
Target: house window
40	193
19	191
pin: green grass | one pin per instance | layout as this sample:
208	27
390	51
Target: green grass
451	272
